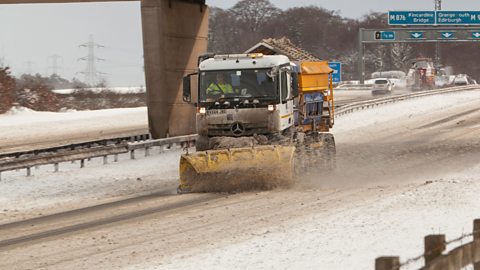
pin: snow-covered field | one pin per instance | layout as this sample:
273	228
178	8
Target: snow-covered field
405	170
24	129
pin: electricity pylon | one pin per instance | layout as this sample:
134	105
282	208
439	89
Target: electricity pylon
91	74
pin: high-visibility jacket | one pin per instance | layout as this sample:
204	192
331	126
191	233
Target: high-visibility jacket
219	88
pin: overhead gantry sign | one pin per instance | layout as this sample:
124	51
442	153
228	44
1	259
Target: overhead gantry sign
438	26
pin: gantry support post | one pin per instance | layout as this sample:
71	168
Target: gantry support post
174	34
361	59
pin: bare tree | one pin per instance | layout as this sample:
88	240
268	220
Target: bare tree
374	20
349	61
34	92
377	58
254	13
7	90
401	53
224	32
327	35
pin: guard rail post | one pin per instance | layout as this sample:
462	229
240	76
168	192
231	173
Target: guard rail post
434	246
387	263
476	237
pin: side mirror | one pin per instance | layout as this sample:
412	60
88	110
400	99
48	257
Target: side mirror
295	84
187	94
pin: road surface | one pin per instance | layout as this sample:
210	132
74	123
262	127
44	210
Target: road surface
404	170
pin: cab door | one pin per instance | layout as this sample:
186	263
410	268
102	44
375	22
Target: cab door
286	99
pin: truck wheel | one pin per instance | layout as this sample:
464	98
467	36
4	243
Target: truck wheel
202	143
329	151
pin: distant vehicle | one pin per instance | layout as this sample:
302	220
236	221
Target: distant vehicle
442	78
421	75
463	79
382	86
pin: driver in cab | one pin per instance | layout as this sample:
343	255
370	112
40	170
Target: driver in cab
219	87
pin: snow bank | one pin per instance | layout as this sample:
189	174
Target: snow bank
409	108
19	110
118	90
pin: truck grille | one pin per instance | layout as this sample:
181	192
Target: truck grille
232	129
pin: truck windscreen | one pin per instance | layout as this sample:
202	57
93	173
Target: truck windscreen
246	83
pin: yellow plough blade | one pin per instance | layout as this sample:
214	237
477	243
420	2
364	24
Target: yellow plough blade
237	169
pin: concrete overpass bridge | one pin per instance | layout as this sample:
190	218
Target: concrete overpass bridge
174	33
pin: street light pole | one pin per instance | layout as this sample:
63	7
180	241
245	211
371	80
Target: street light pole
438	4
438	7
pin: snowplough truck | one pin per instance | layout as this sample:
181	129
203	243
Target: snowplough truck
262	120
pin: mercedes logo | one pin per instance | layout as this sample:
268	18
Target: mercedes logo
237	129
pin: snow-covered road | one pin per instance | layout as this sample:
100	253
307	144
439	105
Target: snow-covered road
404	170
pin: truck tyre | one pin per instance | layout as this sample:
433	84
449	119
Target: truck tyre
329	151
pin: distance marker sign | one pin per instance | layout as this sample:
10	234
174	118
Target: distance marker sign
385	35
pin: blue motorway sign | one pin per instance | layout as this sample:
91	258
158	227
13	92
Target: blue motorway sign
475	35
458	17
337	71
447	35
434	17
411	17
388	35
417	35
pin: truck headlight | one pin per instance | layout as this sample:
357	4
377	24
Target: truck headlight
202	110
271	108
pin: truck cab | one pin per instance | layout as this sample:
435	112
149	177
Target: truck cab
243	94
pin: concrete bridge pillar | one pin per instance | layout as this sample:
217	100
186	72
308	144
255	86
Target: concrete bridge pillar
174	34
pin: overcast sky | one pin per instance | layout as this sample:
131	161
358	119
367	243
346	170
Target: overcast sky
30	34
357	8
